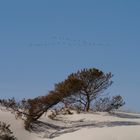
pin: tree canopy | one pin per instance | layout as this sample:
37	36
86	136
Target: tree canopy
92	82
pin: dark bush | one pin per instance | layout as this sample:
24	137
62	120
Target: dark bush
5	132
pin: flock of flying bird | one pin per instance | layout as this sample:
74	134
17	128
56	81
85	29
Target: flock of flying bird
67	42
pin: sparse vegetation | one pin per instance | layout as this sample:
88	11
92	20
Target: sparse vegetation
79	90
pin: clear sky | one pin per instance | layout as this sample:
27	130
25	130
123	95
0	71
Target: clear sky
42	41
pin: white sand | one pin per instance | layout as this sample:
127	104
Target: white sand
97	126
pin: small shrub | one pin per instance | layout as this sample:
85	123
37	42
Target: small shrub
5	132
109	104
53	114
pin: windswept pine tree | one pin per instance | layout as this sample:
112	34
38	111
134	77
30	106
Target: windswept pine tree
81	87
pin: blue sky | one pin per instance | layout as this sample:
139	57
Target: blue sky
41	42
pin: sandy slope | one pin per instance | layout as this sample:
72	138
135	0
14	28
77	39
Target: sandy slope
97	126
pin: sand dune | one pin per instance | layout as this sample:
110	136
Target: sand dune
91	126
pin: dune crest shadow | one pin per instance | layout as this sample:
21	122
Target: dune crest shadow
51	130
